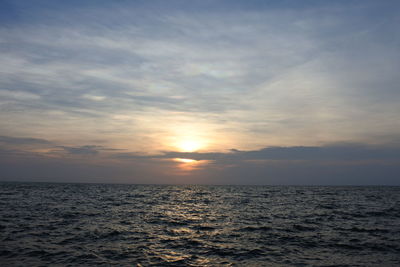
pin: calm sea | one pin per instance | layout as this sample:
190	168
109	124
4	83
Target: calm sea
45	224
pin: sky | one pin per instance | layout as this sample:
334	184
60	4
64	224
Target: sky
203	92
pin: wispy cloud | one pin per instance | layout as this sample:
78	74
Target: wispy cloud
289	76
267	72
82	150
8	140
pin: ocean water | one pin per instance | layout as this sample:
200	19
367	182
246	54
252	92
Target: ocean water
45	224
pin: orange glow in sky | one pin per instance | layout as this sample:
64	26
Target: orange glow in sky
185	160
187	165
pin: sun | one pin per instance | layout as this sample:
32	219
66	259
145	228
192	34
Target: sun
189	145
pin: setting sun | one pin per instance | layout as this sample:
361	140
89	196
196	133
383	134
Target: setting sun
189	145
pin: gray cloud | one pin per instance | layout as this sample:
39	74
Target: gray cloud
344	165
82	150
344	152
337	164
8	140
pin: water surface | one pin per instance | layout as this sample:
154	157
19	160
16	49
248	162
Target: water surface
45	224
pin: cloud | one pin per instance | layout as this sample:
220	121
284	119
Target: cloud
87	149
82	150
286	76
335	164
8	140
276	72
94	97
343	152
18	95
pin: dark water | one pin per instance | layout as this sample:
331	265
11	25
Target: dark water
86	224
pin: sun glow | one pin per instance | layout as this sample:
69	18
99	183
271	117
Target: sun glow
187	165
189	145
185	160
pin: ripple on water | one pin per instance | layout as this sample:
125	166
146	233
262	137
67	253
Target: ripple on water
89	224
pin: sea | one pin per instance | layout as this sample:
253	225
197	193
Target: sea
53	224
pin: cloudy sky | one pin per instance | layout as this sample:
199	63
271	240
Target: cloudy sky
221	92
